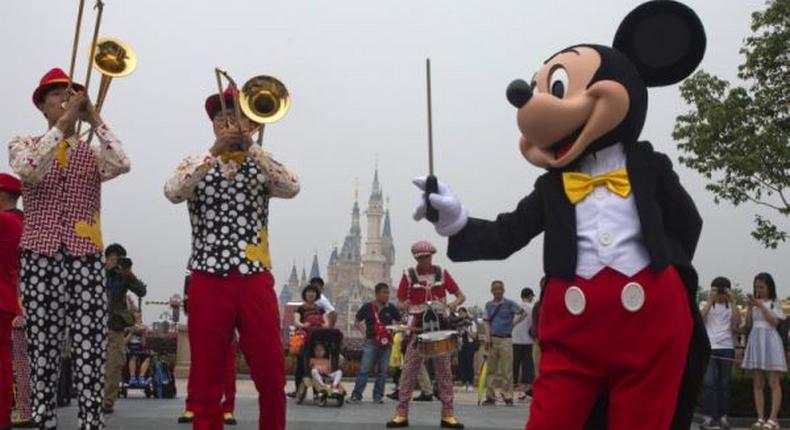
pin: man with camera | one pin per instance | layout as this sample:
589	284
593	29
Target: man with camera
721	318
120	280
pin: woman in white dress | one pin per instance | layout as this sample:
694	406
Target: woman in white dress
765	353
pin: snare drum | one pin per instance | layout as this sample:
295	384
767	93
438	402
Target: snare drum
436	343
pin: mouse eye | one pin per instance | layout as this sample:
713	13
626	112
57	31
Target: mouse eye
558	82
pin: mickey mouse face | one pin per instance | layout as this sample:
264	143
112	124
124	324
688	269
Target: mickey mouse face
587	97
567	109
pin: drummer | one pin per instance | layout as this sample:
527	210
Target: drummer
422	287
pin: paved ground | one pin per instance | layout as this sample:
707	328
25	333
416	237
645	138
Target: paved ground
139	413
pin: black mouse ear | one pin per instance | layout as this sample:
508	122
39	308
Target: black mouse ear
664	39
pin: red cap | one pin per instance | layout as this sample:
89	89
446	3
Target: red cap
53	77
212	102
422	248
10	183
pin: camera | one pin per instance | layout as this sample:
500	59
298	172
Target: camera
125	263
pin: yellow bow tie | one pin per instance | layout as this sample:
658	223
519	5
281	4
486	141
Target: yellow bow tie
60	153
578	185
236	156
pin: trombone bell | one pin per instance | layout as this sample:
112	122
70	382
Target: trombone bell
264	99
114	57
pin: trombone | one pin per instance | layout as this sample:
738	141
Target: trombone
262	99
111	57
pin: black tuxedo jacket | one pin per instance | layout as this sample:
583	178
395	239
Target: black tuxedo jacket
670	225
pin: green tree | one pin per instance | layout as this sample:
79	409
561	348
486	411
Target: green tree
738	136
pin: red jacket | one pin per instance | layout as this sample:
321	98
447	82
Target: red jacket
10	234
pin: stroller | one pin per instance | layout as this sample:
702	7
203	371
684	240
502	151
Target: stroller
147	387
332	339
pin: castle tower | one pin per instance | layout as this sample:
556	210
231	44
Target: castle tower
388	245
374	261
331	270
350	258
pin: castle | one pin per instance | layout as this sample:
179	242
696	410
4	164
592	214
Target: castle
351	273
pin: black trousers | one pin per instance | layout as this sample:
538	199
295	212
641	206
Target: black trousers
299	372
523	366
466	366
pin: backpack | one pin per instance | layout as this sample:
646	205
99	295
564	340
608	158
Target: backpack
164	385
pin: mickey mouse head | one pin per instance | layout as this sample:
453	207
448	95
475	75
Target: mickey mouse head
586	97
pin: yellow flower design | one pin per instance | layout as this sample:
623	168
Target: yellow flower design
90	231
260	252
60	153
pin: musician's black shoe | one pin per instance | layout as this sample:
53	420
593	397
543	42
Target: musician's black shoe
450	423
394	395
292	394
398	422
229	419
489	402
423	397
186	418
509	402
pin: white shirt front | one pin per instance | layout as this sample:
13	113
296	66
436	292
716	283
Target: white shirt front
325	304
774	307
718	324
608	230
521	330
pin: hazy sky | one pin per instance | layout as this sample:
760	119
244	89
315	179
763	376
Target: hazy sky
355	70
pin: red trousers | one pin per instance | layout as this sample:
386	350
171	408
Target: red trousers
217	306
6	370
229	392
638	358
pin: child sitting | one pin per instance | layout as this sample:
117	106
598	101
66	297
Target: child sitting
321	367
135	350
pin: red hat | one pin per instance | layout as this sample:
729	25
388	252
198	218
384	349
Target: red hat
53	77
212	102
10	183
423	248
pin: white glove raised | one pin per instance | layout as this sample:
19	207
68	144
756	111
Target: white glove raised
452	214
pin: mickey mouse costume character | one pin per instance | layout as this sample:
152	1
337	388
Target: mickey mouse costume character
618	317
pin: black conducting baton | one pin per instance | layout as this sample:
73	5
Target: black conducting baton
431	183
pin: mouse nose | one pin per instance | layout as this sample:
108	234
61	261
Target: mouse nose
518	93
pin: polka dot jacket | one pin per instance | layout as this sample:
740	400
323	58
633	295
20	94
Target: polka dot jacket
228	205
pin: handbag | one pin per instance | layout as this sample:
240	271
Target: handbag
381	336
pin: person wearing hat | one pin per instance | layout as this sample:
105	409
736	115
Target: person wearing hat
10	233
418	285
227	189
61	271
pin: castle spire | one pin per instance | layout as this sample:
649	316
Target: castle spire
315	272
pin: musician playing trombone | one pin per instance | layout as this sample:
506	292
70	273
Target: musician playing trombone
61	270
227	189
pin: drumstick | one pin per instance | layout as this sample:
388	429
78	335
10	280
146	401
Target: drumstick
431	183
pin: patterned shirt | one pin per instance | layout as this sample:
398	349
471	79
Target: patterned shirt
229	206
62	188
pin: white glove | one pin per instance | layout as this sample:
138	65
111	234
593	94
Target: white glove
452	214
